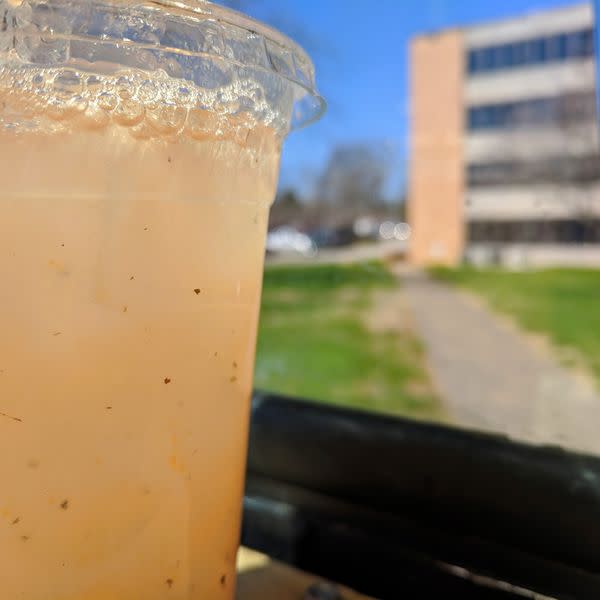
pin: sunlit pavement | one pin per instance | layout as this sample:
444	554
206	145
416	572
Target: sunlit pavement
492	376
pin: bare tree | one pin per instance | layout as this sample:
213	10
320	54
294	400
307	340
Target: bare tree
354	179
287	210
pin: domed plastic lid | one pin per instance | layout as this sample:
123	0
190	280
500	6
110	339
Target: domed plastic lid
235	64
266	48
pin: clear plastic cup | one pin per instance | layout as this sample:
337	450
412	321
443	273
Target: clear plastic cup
139	145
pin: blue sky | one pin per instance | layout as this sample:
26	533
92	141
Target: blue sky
360	53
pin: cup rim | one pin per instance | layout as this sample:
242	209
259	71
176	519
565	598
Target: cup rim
283	56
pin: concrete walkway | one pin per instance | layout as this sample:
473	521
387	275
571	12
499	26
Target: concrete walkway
492	377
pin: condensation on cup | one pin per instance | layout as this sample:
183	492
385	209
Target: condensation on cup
140	145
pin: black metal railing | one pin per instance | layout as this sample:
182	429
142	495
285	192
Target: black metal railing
391	506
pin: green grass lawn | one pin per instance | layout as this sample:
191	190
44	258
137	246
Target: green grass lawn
563	304
314	341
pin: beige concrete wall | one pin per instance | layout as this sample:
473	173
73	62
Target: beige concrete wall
436	173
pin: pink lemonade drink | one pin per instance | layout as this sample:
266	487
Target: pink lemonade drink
139	153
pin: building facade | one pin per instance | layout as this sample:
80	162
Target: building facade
505	154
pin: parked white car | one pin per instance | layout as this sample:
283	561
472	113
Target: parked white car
287	240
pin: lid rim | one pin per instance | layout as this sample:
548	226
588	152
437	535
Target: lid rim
305	82
188	28
208	9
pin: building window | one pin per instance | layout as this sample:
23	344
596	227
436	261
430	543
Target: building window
561	169
555	48
568	231
536	51
519	55
559	111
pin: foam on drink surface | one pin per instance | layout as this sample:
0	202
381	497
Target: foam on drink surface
132	225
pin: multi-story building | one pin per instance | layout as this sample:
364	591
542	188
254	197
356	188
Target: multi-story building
505	154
